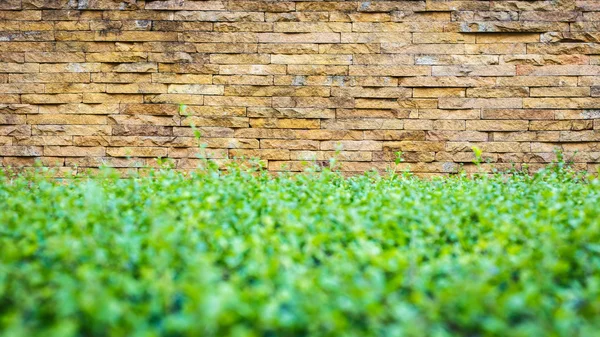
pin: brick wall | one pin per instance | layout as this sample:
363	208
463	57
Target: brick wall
87	82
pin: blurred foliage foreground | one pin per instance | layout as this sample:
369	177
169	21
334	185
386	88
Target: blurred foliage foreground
247	253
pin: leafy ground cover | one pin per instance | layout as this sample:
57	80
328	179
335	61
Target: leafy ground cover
251	254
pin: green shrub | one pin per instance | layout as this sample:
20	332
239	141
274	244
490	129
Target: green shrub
247	253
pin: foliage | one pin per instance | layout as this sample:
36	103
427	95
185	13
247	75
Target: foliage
247	253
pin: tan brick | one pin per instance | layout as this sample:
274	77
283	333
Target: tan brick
347	145
349	48
196	89
51	99
136	88
449	114
116	57
212	111
22	88
243	79
60	119
120	78
240	58
20	151
73	151
559	92
383	92
71	130
418	124
150	109
289	144
289	48
178	152
84	109
10	99
420	49
197	15
317	70
417	146
237	101
236	26
285	123
50	78
299	38
252	69
359	70
6	119
561	103
362	124
311	59
508	38
536	81
474	103
449	81
442	38
550	125
327	155
540	60
291	112
497	125
449	124
277	91
516	114
143	120
438	92
377	37
312	27
375	113
174	5
441	135
45	140
457	59
391	59
489	70
488	147
496	48
498	92
66	68
557	70
512	26
136	152
172	99
141	130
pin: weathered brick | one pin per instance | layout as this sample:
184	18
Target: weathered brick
285	123
474	103
561	103
359	70
498	92
497	125
489	70
289	144
311	59
73	151
438	92
60	119
150	109
299	38
559	92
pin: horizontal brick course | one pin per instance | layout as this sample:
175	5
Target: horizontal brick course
121	82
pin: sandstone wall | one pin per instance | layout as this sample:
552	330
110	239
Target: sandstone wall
87	82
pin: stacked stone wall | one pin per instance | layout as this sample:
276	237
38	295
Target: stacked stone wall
86	83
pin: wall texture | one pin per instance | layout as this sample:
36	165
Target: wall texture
87	82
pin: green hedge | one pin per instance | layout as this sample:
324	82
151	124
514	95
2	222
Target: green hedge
252	254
